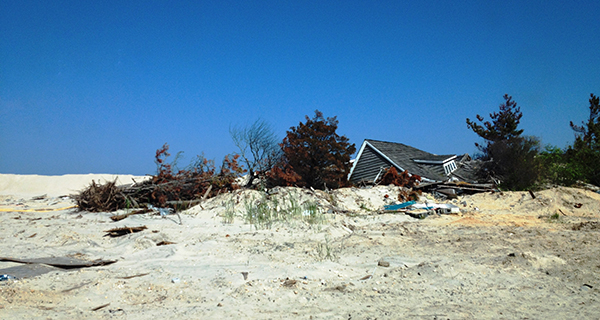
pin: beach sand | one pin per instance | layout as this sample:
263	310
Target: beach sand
505	256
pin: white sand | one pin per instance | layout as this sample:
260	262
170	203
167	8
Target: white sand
501	258
35	185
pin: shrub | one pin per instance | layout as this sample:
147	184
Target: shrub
404	180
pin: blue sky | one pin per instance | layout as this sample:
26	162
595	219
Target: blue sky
97	87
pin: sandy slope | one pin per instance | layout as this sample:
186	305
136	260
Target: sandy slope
503	257
53	186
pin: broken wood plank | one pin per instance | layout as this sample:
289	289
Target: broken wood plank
117	232
135	276
100	307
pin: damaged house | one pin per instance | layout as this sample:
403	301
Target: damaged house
374	157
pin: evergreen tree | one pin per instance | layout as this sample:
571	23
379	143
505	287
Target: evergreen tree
510	157
314	155
584	155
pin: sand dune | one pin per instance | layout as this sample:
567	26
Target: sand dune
34	185
506	255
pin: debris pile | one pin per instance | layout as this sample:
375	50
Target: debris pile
422	210
451	189
167	189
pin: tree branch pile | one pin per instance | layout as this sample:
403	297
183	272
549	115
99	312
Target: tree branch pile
166	189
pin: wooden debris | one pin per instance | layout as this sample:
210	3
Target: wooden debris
135	276
77	287
101	198
164	243
117	232
457	187
100	307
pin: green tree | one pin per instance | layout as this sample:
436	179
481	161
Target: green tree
504	125
510	158
584	155
314	155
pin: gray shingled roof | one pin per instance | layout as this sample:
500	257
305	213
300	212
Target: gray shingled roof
404	156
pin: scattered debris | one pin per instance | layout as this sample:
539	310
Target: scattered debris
39	266
6	277
135	276
449	190
120	217
164	212
100	307
422	210
165	243
397	207
61	262
587	225
117	232
245	275
77	287
532	195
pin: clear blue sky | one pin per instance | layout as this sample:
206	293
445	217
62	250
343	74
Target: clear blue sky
98	86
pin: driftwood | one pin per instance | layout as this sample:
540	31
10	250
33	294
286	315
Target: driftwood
117	232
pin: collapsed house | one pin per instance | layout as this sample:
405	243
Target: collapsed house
436	171
374	157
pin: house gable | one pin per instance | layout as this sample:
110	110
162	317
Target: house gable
368	165
375	155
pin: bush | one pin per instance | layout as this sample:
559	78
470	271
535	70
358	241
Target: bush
556	167
404	180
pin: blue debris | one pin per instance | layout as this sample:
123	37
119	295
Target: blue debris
5	277
403	205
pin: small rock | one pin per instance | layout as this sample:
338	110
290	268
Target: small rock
383	263
289	283
175	280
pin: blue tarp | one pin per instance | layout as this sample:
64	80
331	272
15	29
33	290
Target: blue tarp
403	205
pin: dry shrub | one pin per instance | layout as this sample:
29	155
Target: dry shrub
404	180
282	174
191	184
166	189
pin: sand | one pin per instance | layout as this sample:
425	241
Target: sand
505	256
